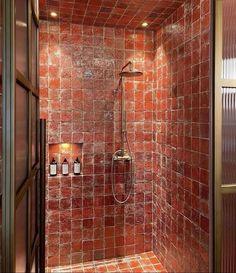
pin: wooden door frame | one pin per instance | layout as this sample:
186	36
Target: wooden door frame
10	198
8	129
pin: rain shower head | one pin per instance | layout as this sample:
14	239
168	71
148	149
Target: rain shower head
131	73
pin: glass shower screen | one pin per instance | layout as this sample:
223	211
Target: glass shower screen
225	136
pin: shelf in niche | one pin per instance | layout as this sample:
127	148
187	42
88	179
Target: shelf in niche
70	151
65	176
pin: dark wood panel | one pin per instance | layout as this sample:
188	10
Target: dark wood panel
26	185
26	83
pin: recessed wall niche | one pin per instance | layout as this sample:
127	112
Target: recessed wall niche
70	151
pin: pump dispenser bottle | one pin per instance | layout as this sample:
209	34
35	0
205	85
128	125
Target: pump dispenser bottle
77	166
65	167
53	167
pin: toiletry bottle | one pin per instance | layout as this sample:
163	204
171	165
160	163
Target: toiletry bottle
53	167
77	166
65	167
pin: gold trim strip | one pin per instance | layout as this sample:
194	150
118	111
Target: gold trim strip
228	83
218	135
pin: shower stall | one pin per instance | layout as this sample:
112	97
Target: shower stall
154	139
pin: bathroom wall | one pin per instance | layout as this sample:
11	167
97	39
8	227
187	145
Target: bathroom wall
79	68
181	184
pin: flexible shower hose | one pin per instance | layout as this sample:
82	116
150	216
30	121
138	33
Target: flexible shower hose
131	176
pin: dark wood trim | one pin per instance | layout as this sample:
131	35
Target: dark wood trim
8	136
25	83
34	249
8	168
26	185
42	206
26	190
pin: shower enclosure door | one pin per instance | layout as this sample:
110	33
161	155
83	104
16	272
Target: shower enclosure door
22	182
225	136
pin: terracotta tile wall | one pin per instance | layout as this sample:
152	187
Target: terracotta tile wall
110	13
78	75
181	184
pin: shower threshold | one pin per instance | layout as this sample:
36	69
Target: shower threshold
144	262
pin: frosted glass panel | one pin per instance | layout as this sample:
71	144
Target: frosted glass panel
21	135
229	233
21	37
229	135
229	39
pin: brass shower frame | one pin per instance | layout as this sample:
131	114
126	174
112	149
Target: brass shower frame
219	188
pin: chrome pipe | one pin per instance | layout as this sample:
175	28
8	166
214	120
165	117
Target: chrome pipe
123	118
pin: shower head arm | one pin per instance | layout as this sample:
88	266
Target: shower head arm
129	63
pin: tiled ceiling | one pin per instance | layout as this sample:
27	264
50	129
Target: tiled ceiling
110	13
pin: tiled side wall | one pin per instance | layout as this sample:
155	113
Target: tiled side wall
181	187
78	74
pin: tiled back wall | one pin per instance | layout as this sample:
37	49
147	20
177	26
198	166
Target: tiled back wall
78	74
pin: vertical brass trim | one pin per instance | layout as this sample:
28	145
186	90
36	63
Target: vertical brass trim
218	138
211	136
8	170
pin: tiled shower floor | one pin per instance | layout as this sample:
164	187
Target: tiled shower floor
145	262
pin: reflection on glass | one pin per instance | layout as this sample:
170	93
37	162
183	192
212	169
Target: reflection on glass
34	54
35	4
21	37
34	130
21	135
33	270
21	231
